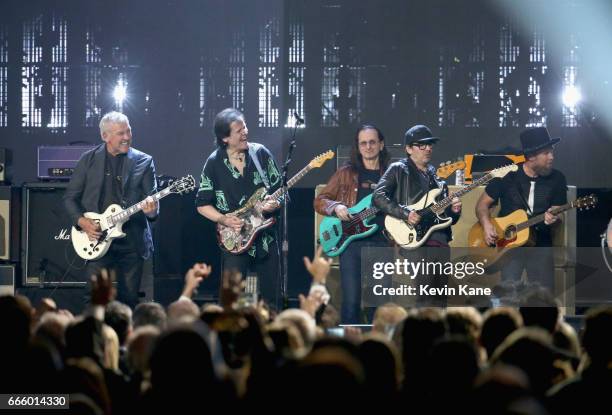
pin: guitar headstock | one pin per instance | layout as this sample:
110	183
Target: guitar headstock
183	185
448	168
502	171
585	202
319	160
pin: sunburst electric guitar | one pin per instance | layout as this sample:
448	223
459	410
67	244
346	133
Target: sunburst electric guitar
252	213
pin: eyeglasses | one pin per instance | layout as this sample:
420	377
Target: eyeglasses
422	146
368	143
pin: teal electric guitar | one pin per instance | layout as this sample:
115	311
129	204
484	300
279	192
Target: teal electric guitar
335	235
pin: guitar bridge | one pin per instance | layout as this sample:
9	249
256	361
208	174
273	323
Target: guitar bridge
326	236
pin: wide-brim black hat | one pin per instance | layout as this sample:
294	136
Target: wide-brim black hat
419	134
536	139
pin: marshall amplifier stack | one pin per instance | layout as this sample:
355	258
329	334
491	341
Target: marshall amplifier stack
58	162
48	258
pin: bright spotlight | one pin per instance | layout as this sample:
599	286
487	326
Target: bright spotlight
120	93
571	96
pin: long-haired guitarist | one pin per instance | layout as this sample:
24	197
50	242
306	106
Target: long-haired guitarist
536	188
349	185
406	182
229	177
115	173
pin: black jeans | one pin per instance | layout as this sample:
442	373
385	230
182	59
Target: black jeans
267	270
433	253
127	264
537	262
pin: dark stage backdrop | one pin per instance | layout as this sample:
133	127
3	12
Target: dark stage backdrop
477	72
474	71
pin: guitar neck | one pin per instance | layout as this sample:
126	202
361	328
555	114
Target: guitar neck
125	214
366	213
540	218
440	206
277	195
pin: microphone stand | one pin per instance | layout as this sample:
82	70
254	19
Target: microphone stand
284	219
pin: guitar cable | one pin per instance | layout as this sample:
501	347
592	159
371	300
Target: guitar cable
63	277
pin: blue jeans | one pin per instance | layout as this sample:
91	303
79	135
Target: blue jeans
350	280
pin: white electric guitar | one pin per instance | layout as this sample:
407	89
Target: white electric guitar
113	218
432	212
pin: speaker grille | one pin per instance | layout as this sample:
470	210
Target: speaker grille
48	256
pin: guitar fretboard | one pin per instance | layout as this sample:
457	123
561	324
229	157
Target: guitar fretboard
366	213
448	200
124	215
276	195
539	218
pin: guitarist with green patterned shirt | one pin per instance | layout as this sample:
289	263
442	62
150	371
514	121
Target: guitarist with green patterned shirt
229	178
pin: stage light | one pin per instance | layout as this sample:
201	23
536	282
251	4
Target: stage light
571	96
120	93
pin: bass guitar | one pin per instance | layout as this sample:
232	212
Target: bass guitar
335	235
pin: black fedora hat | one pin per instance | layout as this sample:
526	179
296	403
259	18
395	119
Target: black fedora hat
535	139
419	134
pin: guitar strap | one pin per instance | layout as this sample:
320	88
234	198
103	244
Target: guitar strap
253	154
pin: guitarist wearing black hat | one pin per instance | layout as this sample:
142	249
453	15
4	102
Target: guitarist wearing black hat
536	188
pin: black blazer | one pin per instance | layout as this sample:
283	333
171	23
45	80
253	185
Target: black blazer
138	178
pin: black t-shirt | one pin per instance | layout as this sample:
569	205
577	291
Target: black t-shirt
112	193
512	192
367	180
112	189
222	186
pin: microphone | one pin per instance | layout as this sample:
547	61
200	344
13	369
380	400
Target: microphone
298	120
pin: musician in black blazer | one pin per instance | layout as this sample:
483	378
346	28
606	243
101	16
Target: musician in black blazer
114	172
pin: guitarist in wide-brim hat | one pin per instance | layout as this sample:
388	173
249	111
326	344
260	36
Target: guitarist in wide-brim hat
535	187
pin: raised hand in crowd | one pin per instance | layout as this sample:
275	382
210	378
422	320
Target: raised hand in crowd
194	276
353	334
311	303
319	267
231	287
102	290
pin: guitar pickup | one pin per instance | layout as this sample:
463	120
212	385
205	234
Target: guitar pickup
326	236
